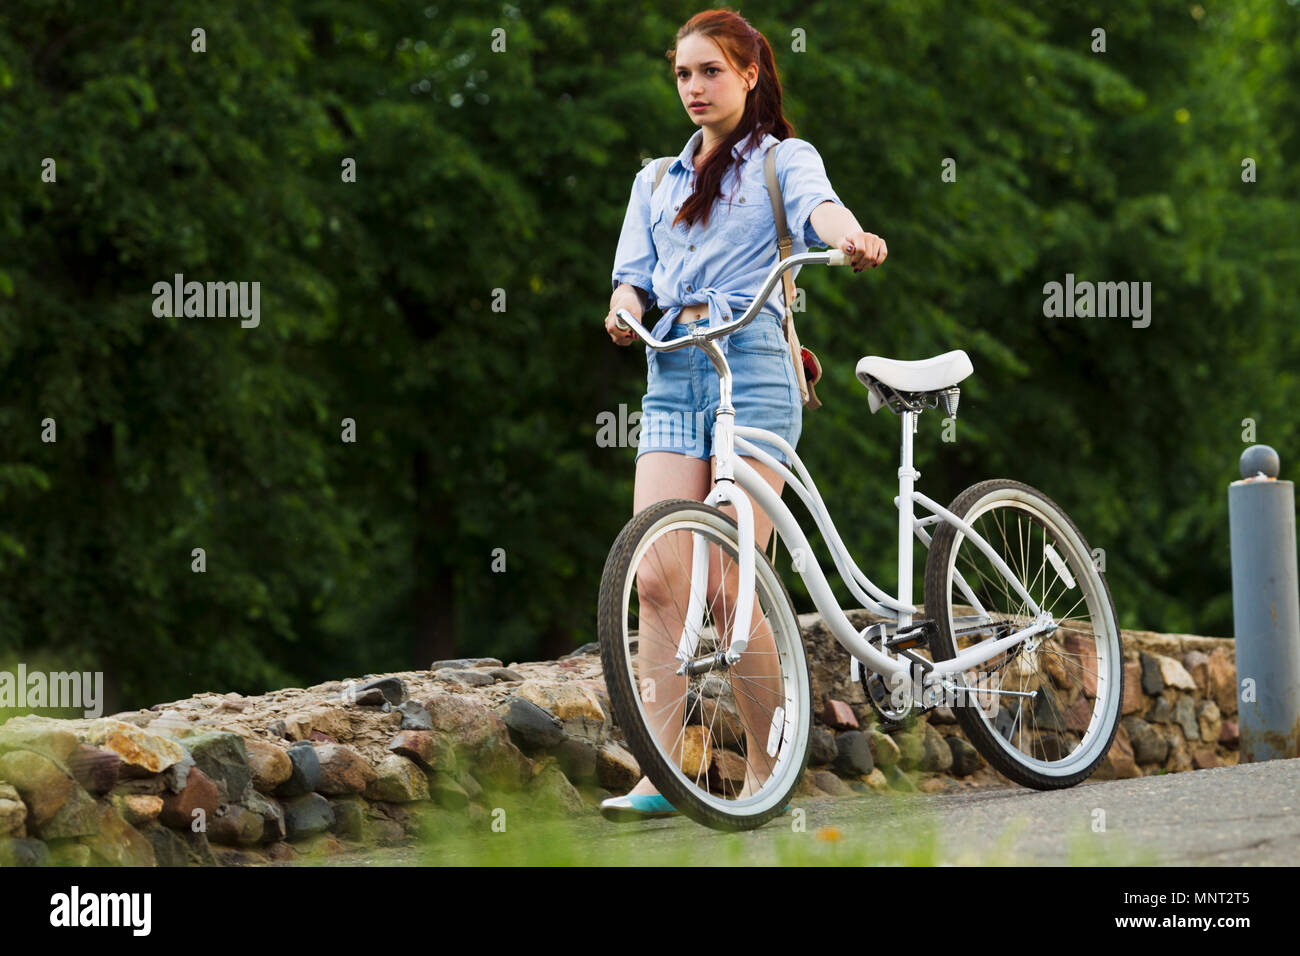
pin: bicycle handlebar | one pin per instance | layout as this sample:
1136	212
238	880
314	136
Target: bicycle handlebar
829	257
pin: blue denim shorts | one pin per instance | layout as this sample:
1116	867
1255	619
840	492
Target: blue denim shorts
681	400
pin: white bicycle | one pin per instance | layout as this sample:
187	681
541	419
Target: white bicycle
701	647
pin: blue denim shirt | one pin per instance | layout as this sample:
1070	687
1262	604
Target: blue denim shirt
724	262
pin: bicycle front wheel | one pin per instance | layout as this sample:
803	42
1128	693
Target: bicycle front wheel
1044	712
725	743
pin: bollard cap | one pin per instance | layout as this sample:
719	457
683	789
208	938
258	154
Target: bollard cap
1260	459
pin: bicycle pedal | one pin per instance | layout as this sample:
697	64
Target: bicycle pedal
916	634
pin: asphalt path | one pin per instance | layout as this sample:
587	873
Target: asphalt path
1246	815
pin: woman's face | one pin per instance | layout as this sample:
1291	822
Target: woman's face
704	76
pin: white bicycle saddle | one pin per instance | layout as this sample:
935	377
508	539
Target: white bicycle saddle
926	375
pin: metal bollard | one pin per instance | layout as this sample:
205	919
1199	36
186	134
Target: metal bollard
1265	607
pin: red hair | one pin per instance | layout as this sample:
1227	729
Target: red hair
742	46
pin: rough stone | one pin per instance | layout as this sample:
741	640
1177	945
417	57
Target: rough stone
821	747
169	848
469	678
1223	681
430	751
222	756
577	758
876	781
24	852
463	662
1229	735
398	780
138	809
551	794
343	770
1078	715
414	716
898	780
505	674
938	755
139	748
44	786
965	758
910	748
350	820
94	768
1119	763
269	765
616	769
43	735
1175	675
884	751
1133	701
13	813
1203	758
304	771
200	793
1185	717
272	814
827	782
390	689
1197	664
237	826
852	754
472	726
697	750
1149	746
307	815
565	700
533	728
1161	712
1153	682
1209	720
839	715
446	792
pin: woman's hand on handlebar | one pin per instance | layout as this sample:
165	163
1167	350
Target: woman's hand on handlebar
619	336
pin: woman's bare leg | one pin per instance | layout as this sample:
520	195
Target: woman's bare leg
663	584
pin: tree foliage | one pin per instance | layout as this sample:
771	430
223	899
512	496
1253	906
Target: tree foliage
449	302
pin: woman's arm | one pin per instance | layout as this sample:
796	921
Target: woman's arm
629	297
839	228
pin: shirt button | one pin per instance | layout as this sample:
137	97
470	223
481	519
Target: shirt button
742	198
689	289
692	248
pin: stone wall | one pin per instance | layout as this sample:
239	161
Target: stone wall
220	779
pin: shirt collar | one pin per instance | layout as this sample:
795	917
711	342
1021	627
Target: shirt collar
686	156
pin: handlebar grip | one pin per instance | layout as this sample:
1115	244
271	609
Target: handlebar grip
838	258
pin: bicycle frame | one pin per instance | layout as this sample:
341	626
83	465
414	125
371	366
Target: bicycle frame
732	470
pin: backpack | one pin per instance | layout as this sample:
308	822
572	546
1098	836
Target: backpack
807	369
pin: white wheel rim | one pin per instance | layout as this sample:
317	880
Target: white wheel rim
793	669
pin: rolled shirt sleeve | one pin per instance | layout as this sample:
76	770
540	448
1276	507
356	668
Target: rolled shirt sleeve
635	258
804	186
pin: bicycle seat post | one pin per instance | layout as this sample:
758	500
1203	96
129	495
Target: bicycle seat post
906	476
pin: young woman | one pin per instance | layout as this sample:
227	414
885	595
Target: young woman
699	246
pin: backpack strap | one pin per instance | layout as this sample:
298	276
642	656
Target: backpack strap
784	245
659	173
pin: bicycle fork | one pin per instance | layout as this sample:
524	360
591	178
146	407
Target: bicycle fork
723	492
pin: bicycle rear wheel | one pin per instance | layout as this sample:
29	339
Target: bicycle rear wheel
1057	737
725	743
